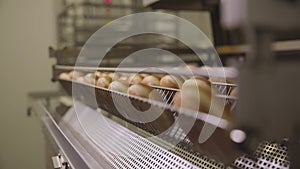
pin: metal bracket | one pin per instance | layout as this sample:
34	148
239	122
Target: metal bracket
59	162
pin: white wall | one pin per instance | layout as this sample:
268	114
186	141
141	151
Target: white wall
27	28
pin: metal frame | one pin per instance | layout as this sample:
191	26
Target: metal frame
96	148
68	150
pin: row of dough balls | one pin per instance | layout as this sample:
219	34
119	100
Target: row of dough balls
118	82
195	93
104	79
133	84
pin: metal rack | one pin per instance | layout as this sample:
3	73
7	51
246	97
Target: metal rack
105	102
78	21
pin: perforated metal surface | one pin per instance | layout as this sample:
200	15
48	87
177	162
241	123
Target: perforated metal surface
198	159
267	155
273	151
125	149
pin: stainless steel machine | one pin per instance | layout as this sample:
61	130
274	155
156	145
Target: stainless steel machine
85	129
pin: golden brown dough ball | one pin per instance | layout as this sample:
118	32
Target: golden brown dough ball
151	80
75	74
139	90
193	92
135	79
196	95
104	74
64	76
118	85
90	78
124	78
144	91
159	76
234	92
171	82
104	81
114	76
144	75
98	74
